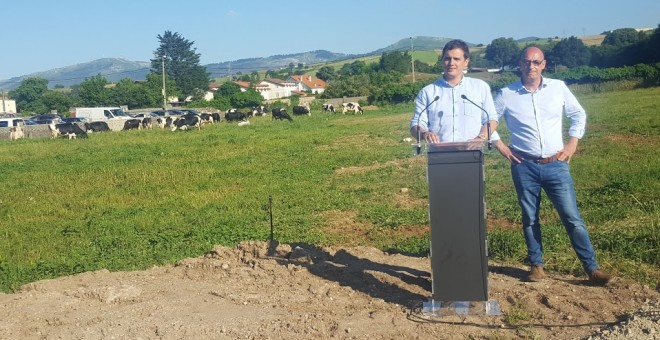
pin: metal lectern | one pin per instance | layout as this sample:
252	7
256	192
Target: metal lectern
457	212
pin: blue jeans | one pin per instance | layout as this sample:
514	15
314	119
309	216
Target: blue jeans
555	179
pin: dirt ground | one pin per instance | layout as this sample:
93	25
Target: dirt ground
259	290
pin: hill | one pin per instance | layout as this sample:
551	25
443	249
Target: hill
114	69
274	62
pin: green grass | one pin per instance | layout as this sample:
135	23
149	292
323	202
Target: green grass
130	200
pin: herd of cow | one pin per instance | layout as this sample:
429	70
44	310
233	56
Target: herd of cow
183	122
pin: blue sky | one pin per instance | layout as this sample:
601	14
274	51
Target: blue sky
40	35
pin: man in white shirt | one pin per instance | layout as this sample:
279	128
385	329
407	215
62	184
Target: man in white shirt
533	109
441	114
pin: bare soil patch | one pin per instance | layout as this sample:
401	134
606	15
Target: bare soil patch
260	290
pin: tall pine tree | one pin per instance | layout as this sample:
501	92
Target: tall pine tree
181	65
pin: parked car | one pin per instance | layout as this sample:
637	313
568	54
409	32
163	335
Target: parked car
189	112
165	113
145	114
74	120
46	119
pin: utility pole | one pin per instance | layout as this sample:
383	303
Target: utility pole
164	92
4	108
412	58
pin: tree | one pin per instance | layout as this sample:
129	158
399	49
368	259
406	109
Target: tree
326	73
154	88
570	52
354	68
622	37
28	94
395	61
503	52
127	92
181	64
57	101
249	98
229	89
92	92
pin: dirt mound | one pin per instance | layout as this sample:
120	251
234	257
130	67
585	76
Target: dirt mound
262	290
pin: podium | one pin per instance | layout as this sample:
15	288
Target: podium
457	212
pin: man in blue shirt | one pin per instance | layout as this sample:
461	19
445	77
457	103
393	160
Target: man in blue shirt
533	109
441	114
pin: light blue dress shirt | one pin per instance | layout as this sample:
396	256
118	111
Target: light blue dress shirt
452	118
534	119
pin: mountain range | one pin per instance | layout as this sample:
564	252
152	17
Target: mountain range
115	69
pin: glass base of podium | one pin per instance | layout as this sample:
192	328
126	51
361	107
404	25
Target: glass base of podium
461	308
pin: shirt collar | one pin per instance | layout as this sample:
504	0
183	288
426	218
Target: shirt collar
444	83
522	87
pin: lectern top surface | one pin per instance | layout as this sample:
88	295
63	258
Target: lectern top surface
456	146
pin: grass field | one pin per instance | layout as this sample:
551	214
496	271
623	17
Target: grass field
134	199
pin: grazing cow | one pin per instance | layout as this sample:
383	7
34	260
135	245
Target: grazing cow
352	107
70	130
301	110
216	117
235	116
206	118
97	126
187	121
280	113
169	122
328	108
132	124
16	132
258	110
54	132
146	123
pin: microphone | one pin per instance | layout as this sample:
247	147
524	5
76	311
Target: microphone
419	142
490	144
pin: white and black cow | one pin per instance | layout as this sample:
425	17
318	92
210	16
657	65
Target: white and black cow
146	123
301	110
206	118
328	108
216	117
69	130
352	107
235	116
258	110
280	113
97	126
132	124
188	121
16	132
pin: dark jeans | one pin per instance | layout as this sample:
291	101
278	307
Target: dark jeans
555	179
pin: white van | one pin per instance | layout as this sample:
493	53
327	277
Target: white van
11	122
101	113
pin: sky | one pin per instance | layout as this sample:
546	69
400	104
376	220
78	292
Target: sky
40	35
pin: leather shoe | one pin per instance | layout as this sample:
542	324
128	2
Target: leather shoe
536	274
598	277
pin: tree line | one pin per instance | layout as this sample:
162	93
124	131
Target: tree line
624	54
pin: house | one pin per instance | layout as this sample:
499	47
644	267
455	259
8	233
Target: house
272	88
307	83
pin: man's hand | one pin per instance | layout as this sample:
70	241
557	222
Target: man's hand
569	149
430	137
506	152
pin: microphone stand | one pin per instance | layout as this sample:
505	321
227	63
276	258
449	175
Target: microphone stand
419	128
490	144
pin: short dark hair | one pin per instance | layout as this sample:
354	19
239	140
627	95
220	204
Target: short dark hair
457	43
